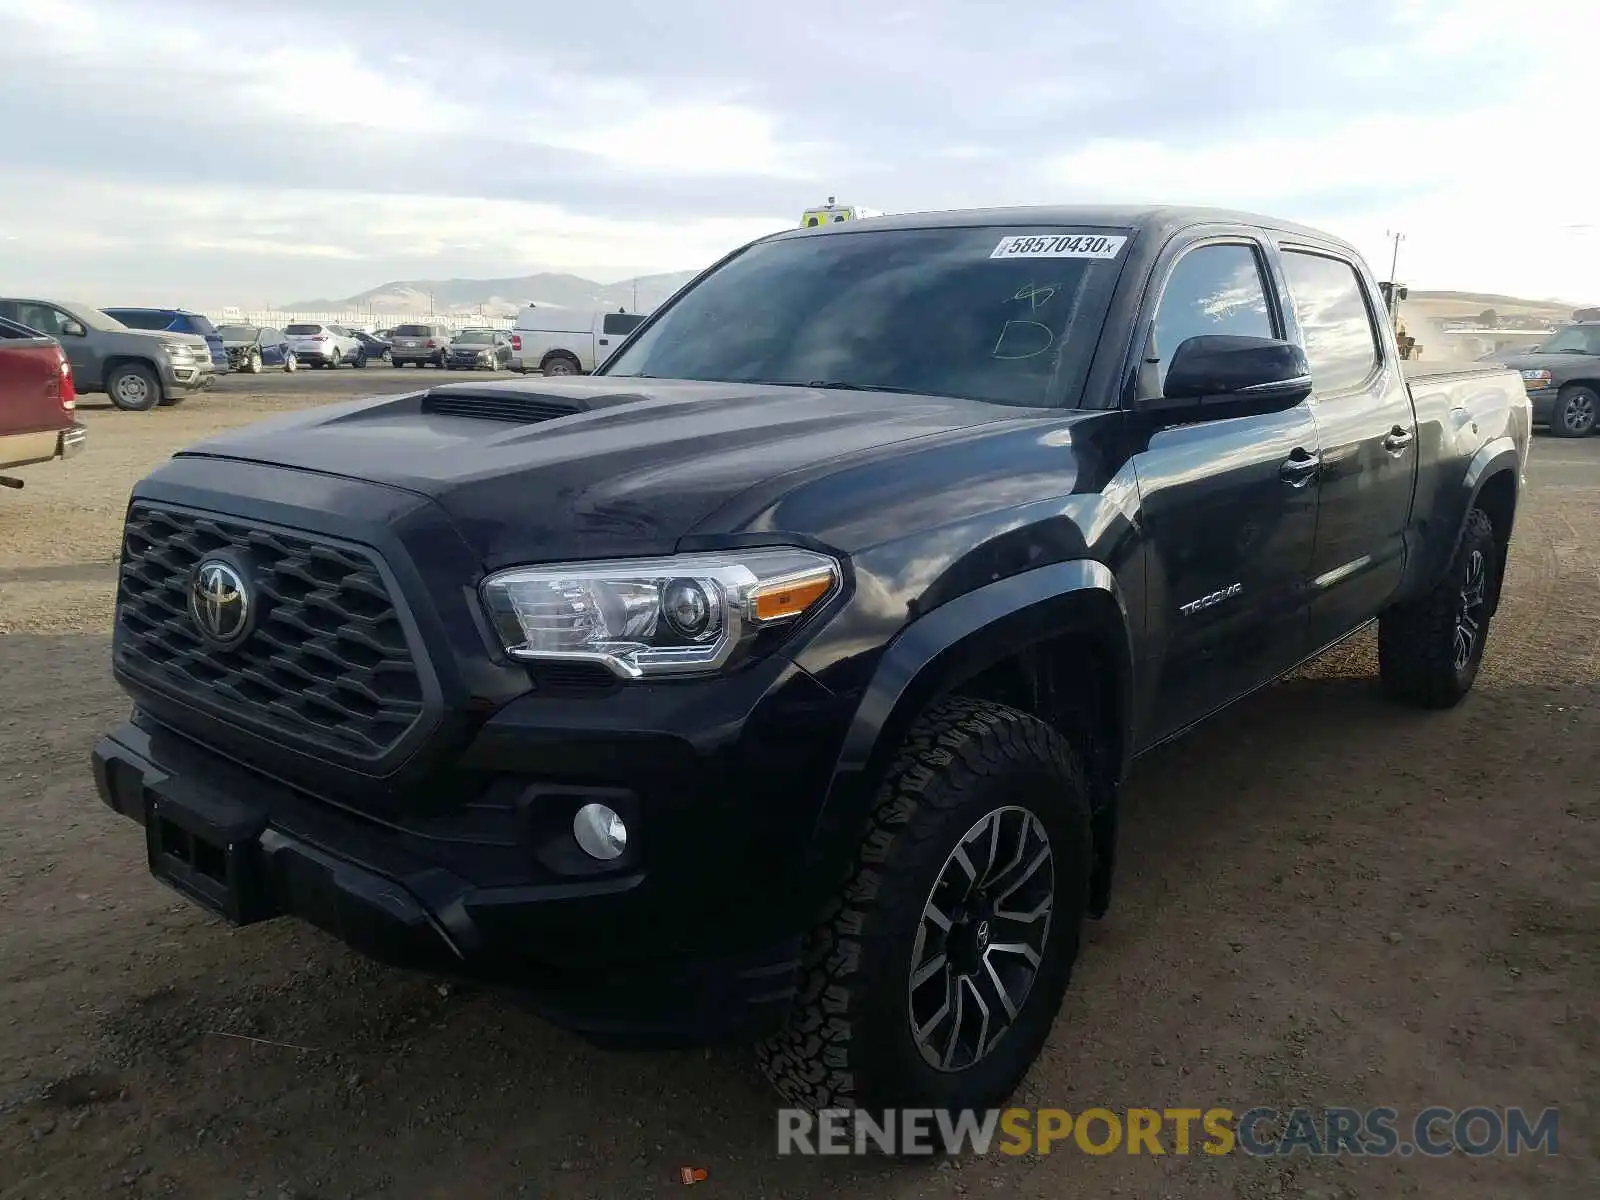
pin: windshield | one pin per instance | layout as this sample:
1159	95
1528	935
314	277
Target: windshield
238	333
475	337
1574	339
1007	315
302	330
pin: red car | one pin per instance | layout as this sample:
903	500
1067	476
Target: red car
37	401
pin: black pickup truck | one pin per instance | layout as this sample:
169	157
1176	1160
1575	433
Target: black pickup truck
777	680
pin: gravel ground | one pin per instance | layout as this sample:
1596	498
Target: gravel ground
1325	900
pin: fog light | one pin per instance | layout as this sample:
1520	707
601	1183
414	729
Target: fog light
600	832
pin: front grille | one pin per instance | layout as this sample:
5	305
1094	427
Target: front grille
328	665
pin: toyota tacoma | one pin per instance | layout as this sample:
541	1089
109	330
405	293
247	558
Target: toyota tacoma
778	679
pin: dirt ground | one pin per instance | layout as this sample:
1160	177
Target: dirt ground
1325	900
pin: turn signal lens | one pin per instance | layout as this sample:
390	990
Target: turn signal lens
790	597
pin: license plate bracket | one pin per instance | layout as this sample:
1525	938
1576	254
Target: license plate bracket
210	853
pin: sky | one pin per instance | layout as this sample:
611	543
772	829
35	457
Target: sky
220	152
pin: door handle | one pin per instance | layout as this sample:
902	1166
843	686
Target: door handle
1397	440
1299	468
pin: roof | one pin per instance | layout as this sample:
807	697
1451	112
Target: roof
1154	218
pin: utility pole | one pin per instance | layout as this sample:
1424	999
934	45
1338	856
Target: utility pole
636	295
1394	264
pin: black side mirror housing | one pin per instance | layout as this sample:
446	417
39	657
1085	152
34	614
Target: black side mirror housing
1225	375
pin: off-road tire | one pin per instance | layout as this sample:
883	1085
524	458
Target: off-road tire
848	1041
1577	411
1417	639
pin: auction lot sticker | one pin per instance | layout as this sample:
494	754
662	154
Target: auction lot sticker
1059	245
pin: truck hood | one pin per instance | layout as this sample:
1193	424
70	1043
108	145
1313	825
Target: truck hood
616	467
1541	362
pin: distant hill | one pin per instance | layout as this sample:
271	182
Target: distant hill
1445	304
502	297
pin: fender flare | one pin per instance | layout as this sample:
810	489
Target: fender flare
948	645
1496	457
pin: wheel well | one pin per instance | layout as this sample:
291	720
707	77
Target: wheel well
1592	384
1498	500
566	354
111	365
1070	683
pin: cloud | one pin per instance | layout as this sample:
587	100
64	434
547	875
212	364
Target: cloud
220	151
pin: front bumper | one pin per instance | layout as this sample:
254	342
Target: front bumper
249	849
1543	401
471	361
188	377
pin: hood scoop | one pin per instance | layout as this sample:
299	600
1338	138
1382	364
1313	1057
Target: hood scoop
516	404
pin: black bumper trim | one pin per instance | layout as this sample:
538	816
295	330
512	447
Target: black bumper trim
251	850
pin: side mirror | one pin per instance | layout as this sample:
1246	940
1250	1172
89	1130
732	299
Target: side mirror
73	329
1224	375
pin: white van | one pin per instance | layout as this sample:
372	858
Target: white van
567	341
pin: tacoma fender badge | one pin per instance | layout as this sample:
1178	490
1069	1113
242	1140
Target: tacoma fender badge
1211	601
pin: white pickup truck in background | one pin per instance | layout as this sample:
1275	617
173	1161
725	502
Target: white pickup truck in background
567	341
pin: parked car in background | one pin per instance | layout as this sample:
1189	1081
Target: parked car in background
567	341
1562	375
38	419
175	320
251	348
318	344
376	347
418	344
137	368
474	349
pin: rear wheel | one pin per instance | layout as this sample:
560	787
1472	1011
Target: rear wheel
291	363
133	387
560	364
1430	649
361	358
1576	412
934	977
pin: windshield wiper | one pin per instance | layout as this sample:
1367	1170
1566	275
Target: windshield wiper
844	385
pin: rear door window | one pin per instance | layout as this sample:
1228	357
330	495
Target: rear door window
1341	340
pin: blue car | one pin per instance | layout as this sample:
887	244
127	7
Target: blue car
253	348
175	320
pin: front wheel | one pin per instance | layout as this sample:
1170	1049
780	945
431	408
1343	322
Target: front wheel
252	363
1430	649
133	387
1576	412
933	978
291	363
361	359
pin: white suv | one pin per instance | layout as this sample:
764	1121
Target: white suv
321	345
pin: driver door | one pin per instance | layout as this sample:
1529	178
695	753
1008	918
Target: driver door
78	347
1229	506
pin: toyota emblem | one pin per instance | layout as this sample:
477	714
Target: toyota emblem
219	603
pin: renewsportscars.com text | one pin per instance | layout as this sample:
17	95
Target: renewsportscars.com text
1432	1132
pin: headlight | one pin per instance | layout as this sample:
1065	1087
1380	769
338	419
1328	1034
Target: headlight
1536	378
686	615
178	349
